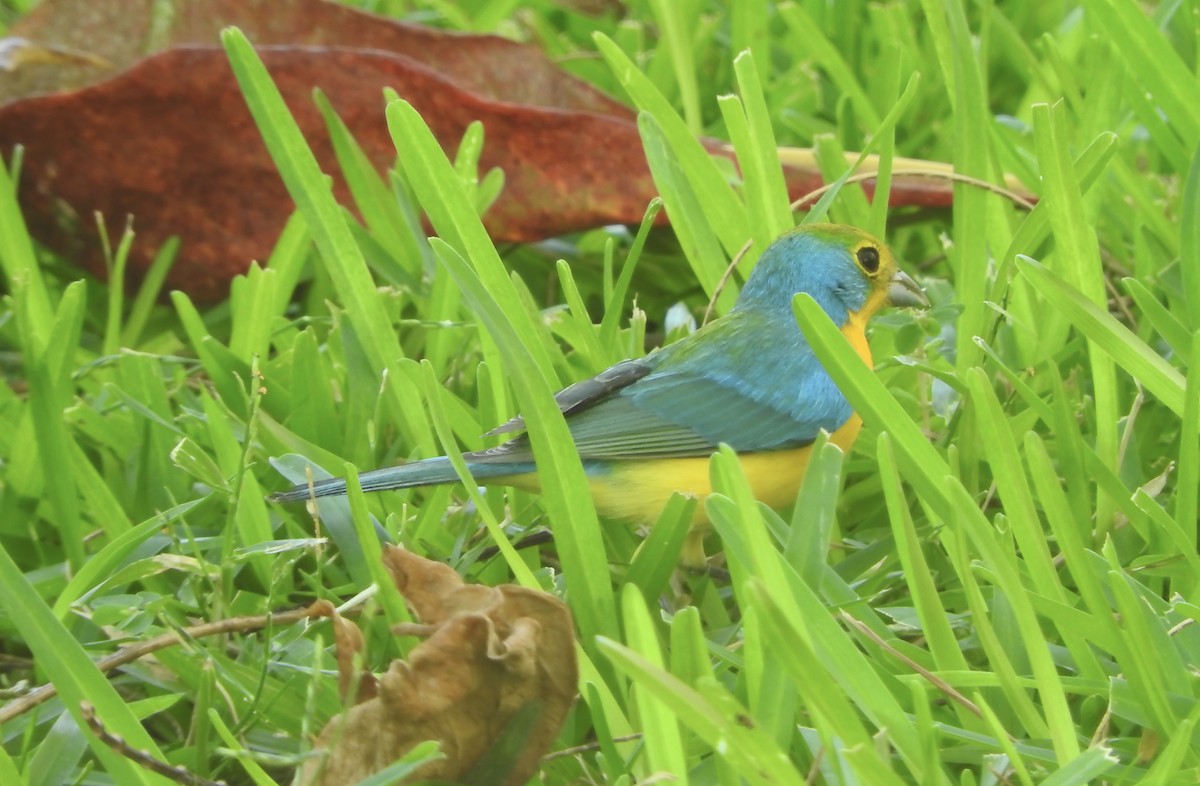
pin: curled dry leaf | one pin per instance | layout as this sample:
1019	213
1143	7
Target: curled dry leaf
492	682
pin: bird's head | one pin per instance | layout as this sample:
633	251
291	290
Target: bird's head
847	271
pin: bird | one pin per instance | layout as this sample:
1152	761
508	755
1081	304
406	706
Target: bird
646	427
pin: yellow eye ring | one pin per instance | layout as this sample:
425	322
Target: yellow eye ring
868	258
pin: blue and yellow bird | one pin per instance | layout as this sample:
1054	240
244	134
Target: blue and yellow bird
645	428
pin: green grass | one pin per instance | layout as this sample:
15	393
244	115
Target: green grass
999	584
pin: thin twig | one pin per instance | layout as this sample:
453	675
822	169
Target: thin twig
1119	303
140	757
933	679
815	194
932	174
587	747
814	770
141	649
733	263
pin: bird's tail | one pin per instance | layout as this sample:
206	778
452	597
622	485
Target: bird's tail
428	472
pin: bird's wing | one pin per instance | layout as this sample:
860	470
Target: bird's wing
589	392
677	414
686	407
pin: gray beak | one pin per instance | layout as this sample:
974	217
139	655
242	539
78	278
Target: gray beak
903	291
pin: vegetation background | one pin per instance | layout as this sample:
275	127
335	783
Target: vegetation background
998	585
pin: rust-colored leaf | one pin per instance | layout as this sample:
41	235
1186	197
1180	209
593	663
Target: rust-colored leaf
494	659
171	141
121	32
126	107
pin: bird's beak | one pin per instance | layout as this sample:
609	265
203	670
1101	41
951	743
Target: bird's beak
903	291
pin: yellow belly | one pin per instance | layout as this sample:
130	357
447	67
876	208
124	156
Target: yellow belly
637	490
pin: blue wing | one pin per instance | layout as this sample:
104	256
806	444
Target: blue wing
745	381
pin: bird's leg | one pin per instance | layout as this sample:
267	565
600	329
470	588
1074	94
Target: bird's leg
692	557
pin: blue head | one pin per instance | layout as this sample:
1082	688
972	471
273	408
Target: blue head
844	269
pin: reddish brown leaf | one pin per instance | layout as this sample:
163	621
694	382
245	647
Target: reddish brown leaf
121	32
171	141
167	138
490	656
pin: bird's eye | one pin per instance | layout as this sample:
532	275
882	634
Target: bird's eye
868	257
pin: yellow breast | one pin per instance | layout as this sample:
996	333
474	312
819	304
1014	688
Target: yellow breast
637	490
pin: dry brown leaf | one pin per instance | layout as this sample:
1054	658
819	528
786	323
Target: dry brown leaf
133	145
154	126
120	33
493	658
127	107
